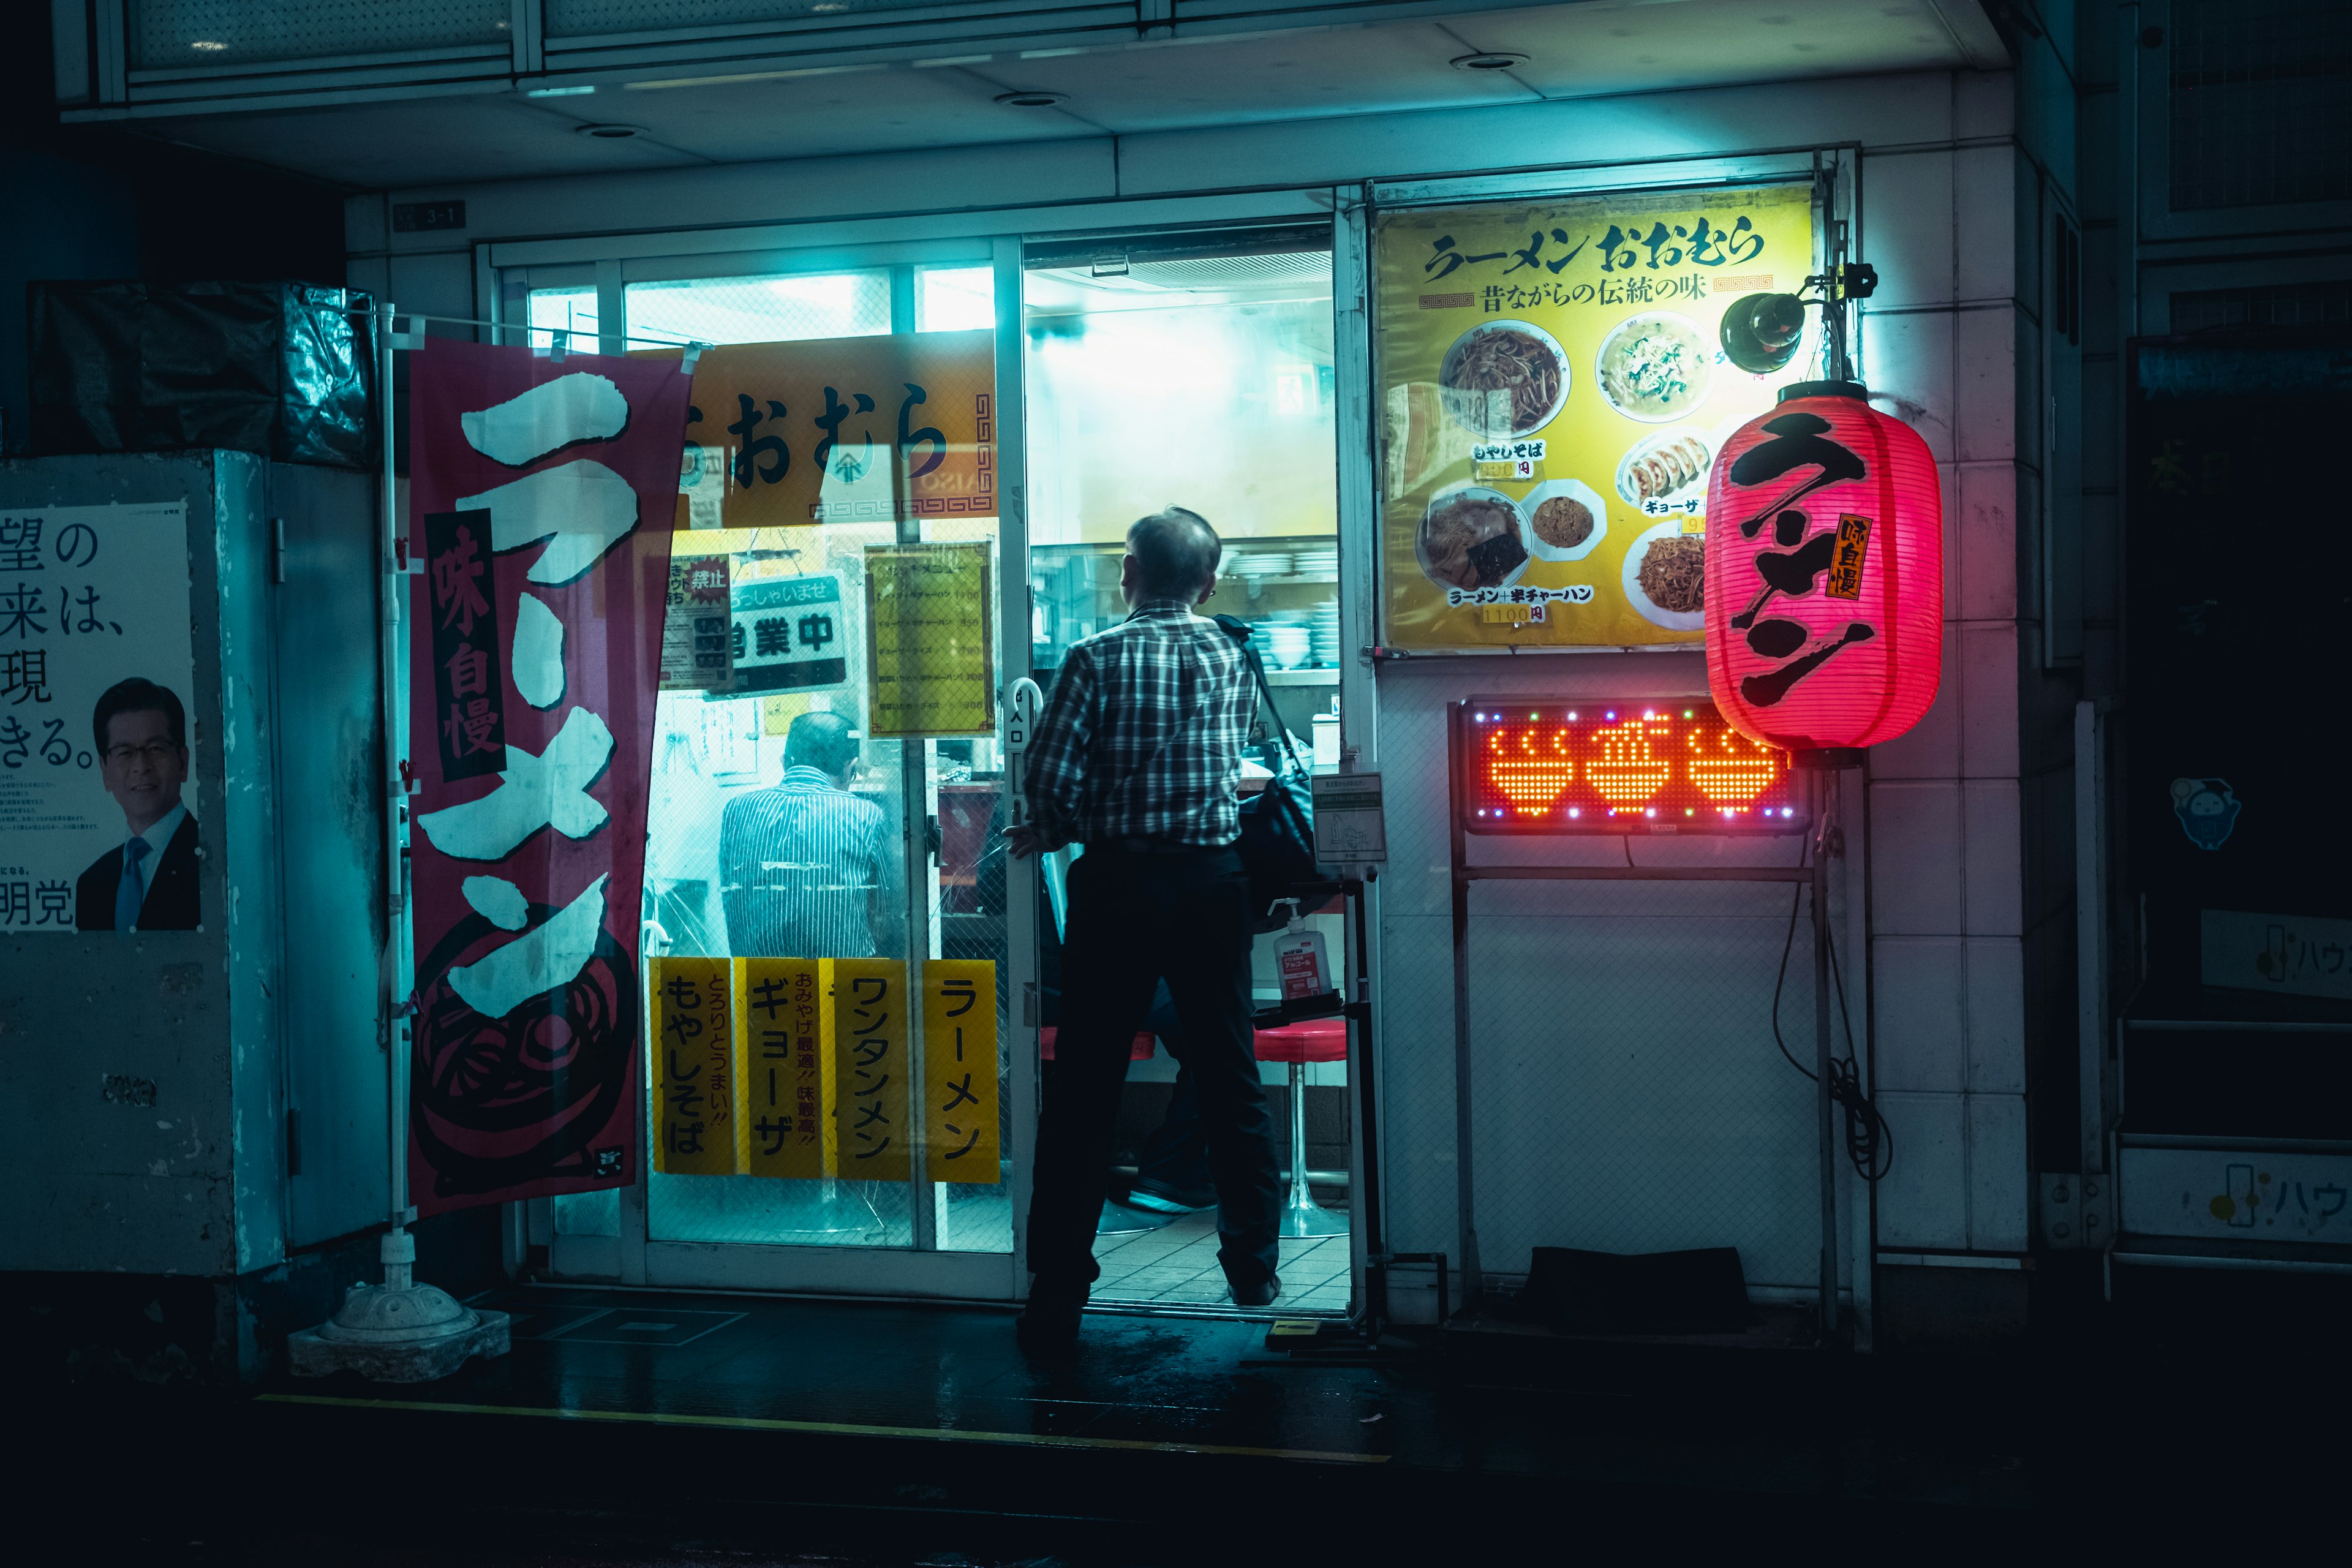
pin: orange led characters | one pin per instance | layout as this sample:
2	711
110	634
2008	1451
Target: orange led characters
1728	768
1531	773
1630	771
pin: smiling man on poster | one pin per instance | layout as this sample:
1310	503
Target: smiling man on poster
148	882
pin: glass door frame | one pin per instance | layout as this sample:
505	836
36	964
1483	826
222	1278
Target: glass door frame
505	272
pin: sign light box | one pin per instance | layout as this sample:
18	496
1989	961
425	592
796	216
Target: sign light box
1643	766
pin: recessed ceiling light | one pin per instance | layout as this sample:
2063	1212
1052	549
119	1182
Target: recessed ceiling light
1032	99
1491	60
610	133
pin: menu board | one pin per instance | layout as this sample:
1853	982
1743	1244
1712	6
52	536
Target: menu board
1555	390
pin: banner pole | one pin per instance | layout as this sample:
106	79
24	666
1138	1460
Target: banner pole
401	1332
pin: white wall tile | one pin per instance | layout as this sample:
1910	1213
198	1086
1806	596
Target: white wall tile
1995	970
440	285
1984	195
1999	1181
1923	1201
1914	851
1907	357
1988	651
1906	228
1983	104
1990	808
1984	384
1985	540
1416	1091
1931	748
1917	983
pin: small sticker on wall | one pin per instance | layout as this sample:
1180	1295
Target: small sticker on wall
2207	809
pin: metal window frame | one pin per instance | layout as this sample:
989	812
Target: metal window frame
505	269
2149	71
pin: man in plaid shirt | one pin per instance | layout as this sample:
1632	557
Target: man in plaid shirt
1137	757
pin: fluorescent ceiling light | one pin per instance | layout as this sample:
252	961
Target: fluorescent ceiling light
954	60
581	91
746	76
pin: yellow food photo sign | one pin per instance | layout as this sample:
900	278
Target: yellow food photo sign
1554	390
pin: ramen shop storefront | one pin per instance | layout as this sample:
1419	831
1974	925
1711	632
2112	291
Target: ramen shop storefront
828	897
1456	432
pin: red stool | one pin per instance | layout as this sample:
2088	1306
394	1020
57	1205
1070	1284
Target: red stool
1311	1040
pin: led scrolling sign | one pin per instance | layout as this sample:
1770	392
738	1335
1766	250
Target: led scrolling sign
1663	765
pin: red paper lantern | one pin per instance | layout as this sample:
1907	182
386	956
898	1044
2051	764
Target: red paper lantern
1825	573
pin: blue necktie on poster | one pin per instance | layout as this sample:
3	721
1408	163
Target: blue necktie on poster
132	891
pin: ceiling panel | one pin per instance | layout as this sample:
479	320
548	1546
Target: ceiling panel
1573	51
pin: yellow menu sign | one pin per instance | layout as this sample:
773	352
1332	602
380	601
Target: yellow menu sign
960	1070
692	1038
869	1039
928	668
1554	390
783	1020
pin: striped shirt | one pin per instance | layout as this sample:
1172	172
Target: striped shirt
1142	737
802	868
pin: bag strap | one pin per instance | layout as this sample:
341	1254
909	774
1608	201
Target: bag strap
1239	630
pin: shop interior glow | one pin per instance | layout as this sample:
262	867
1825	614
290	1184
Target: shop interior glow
1654	765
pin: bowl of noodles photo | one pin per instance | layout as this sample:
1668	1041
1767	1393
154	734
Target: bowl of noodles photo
1471	538
1502	379
1654	367
1666	577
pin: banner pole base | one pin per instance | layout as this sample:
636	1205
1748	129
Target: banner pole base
399	1331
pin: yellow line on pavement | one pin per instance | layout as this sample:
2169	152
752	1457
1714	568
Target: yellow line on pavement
828	1428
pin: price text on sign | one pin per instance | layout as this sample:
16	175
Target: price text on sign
692	1037
785	1013
1657	766
869	1013
960	1106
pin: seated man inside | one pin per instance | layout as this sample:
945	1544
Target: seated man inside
809	869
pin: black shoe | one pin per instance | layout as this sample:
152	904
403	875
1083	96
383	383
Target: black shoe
1045	1327
1257	1295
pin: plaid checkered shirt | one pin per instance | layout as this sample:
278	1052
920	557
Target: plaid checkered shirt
1142	737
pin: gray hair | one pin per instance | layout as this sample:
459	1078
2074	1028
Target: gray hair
1176	553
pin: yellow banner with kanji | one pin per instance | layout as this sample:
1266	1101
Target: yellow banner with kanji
841	430
959	1080
691	1036
869	1039
1554	389
783	1011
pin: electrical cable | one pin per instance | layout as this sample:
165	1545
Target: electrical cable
1869	1143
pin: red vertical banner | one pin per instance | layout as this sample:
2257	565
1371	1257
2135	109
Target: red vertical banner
542	497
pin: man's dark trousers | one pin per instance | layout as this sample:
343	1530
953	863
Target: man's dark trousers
1133	920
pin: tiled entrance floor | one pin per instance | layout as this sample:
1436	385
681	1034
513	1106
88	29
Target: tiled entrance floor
1176	1266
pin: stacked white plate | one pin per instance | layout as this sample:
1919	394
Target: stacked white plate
1262	564
1323	633
1317	564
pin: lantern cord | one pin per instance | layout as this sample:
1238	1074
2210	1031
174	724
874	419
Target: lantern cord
1869	1143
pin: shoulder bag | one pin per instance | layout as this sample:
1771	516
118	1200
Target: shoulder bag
1277	838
